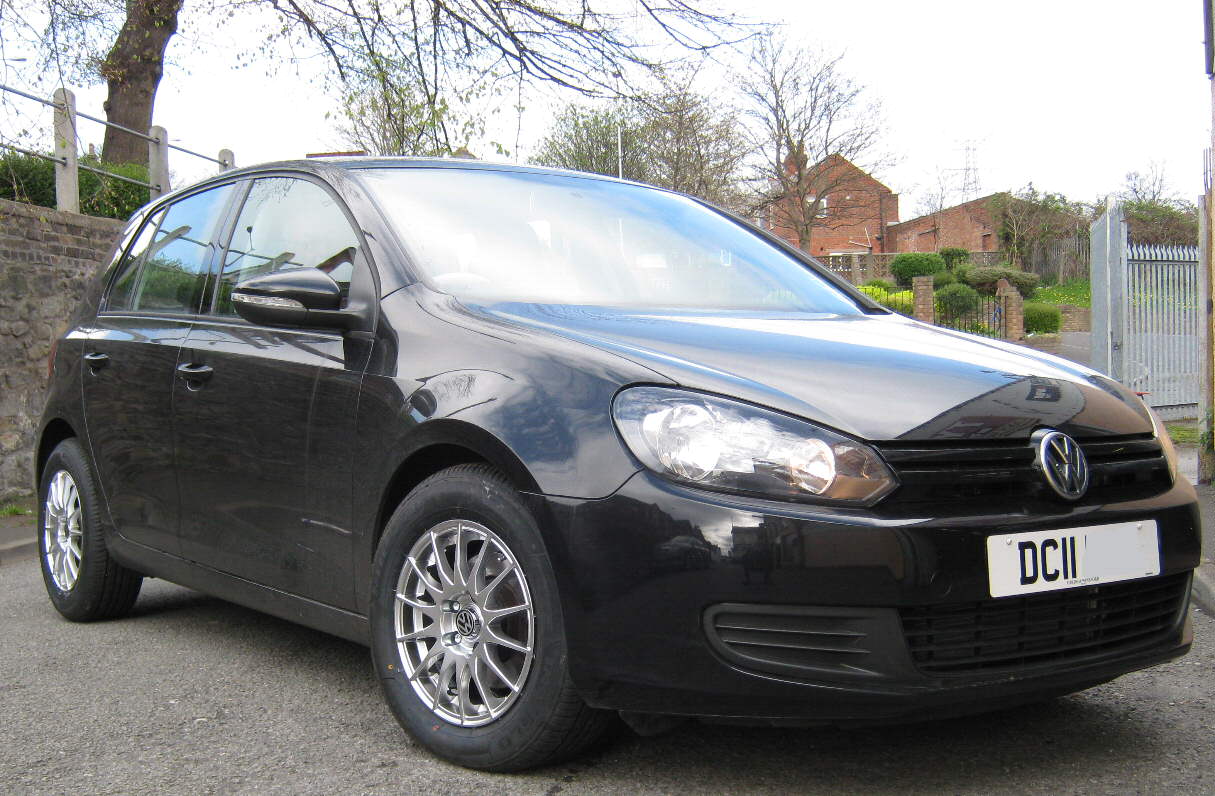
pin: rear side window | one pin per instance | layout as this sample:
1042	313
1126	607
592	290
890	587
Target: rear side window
122	292
288	223
166	271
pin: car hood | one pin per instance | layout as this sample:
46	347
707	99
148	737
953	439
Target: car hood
878	377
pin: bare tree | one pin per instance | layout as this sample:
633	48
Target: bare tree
1147	187
592	46
810	123
694	142
610	140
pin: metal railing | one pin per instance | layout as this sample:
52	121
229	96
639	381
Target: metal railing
67	147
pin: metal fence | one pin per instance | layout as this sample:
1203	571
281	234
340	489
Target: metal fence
984	317
1146	316
67	149
864	267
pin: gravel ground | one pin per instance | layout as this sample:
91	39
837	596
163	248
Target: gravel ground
192	695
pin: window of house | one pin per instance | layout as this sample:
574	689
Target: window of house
287	223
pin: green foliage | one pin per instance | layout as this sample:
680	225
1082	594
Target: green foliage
1173	223
586	139
1183	433
1042	318
942	278
13	510
1031	218
902	301
984	280
1077	292
25	178
884	284
954	301
954	256
912	264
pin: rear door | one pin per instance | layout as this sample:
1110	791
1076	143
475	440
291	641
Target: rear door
130	356
264	428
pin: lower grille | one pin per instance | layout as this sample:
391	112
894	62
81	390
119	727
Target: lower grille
803	641
1023	632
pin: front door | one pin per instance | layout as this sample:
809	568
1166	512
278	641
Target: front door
129	362
265	417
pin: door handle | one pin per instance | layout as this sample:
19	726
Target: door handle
194	374
96	360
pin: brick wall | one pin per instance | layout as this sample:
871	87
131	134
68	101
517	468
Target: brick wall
966	225
47	261
1075	319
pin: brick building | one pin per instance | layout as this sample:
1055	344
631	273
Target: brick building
967	225
854	216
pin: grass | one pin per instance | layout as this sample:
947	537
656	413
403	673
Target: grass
1077	292
1183	433
13	510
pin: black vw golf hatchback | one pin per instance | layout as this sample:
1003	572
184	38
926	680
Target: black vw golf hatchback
561	448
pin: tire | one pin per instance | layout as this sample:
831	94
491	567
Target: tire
476	719
81	579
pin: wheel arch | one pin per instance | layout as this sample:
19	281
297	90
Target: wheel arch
53	433
437	445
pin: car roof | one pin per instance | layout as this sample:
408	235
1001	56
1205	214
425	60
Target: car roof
324	165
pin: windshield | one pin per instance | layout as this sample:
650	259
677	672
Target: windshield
499	236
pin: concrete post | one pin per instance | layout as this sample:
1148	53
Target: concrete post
925	306
227	160
854	261
158	161
67	176
1013	307
1206	333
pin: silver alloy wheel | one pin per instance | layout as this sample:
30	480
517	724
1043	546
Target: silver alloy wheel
62	532
464	623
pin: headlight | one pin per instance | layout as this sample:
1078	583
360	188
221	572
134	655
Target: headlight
724	444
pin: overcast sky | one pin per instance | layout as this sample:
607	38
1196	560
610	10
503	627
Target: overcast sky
1068	94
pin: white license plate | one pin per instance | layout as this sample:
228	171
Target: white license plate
1027	563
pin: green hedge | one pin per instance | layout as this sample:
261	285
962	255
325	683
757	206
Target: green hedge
954	301
912	264
942	278
901	302
882	283
25	178
954	256
1042	318
984	279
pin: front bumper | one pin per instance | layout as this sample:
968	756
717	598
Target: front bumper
646	572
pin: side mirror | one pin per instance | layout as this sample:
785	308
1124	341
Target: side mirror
297	297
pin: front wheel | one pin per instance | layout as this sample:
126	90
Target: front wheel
466	628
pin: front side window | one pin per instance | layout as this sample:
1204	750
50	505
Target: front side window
501	236
167	267
287	223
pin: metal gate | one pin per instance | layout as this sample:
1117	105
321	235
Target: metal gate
1145	316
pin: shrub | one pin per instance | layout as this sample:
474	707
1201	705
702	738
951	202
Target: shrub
912	264
1042	318
984	280
882	283
954	301
954	256
902	302
942	278
25	178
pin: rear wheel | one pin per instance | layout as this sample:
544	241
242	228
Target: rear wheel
466	628
82	581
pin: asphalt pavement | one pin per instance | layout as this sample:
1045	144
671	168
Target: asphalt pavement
192	695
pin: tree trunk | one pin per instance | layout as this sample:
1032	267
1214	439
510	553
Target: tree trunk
132	71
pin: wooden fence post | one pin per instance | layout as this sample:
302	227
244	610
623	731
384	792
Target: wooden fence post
158	161
925	307
67	176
